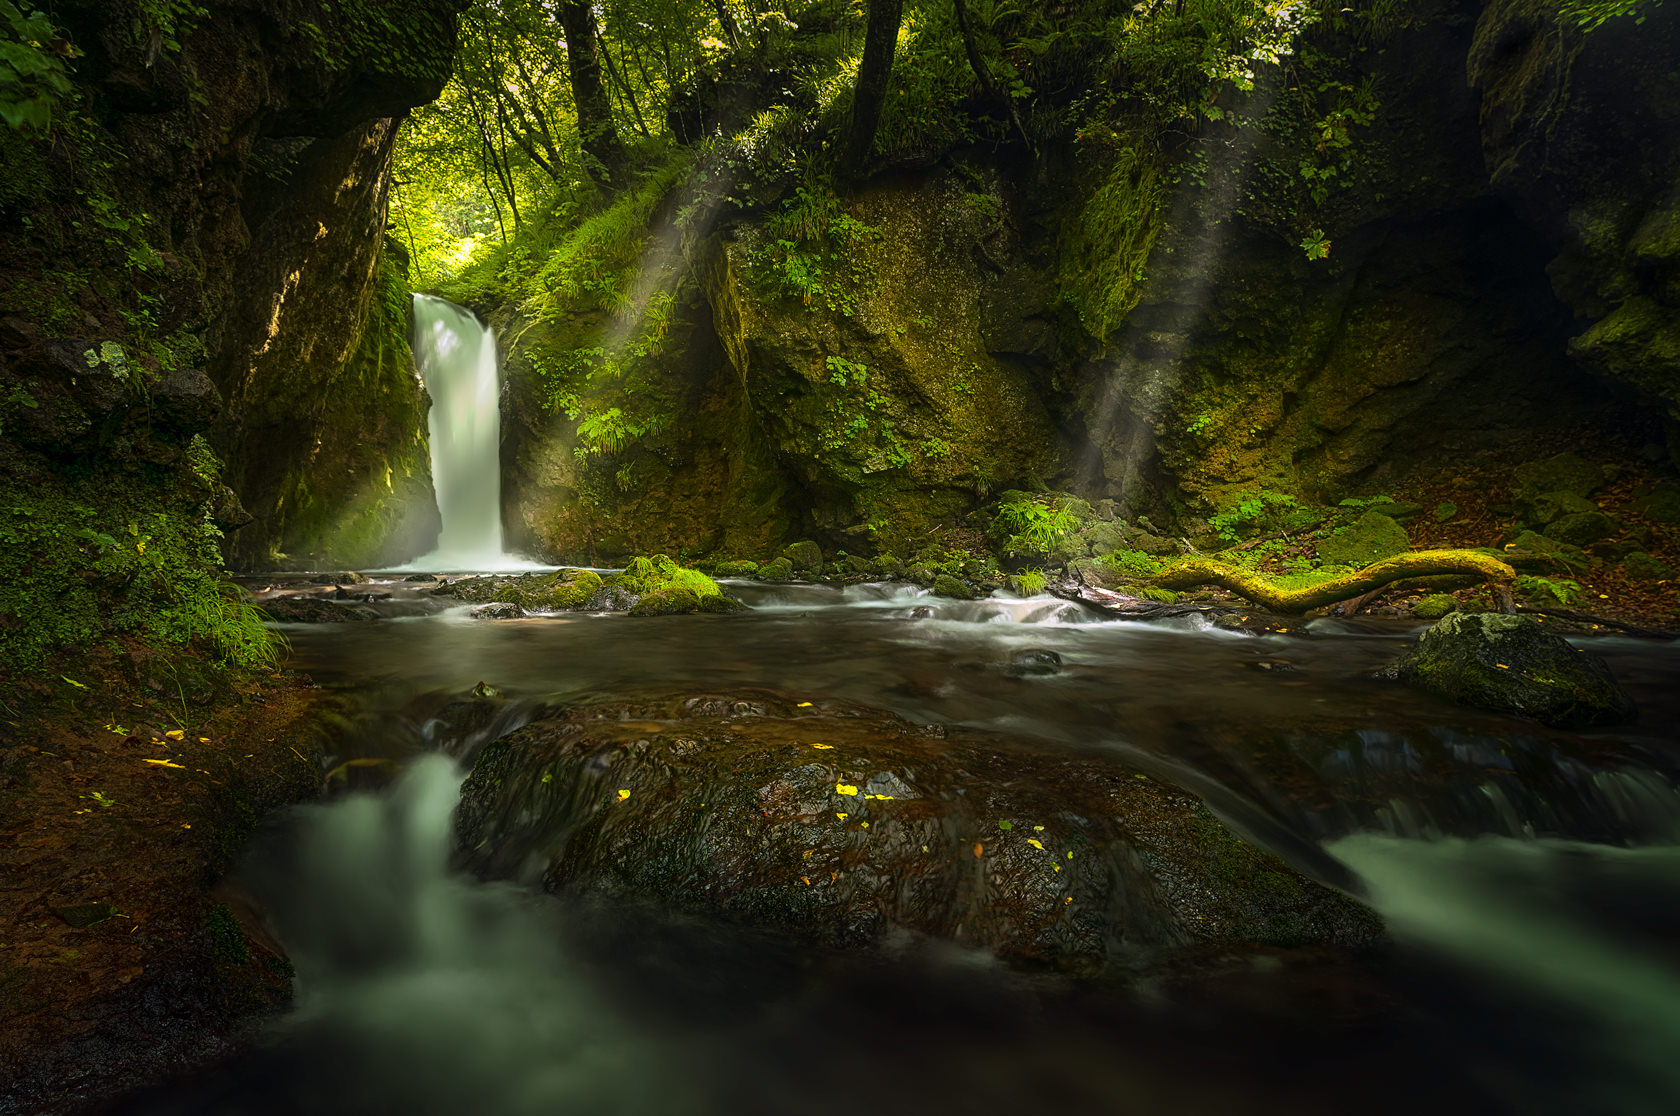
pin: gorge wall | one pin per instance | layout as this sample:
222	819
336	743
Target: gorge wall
1140	327
193	266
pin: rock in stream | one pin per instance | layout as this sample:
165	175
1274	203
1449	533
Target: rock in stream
848	826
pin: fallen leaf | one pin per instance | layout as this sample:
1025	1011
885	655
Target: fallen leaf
865	825
1038	829
803	705
807	880
623	794
845	788
824	747
1005	825
842	817
979	850
204	740
166	763
1035	844
175	734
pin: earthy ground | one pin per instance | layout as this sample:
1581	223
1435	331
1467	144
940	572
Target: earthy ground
124	797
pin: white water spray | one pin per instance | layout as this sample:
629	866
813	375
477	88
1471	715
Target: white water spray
456	356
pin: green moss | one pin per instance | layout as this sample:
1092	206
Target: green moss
944	585
1641	566
1370	538
1130	564
227	937
1106	244
779	569
1159	596
1434	606
741	568
666	602
86	555
661	574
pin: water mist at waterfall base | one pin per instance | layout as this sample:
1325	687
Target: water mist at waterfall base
456	356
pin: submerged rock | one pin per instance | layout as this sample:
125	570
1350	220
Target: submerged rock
1034	660
846	825
1511	664
498	610
313	610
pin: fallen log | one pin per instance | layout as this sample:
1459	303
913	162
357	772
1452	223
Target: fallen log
1265	592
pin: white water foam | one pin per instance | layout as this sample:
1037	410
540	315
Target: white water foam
456	355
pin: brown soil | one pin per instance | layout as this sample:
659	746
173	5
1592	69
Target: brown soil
121	962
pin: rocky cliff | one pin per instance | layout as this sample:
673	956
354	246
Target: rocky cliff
1441	243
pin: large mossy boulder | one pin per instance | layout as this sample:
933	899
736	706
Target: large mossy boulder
1370	538
1513	665
848	826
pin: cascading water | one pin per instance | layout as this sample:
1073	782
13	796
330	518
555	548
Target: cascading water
456	355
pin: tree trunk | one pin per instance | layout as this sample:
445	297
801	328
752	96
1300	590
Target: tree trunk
983	73
602	150
1265	592
874	73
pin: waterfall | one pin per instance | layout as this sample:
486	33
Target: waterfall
456	356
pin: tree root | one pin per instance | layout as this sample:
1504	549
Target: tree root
1265	592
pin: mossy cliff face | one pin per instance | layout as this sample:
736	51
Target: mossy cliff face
884	403
1385	274
705	480
1579	133
884	393
1429	330
211	187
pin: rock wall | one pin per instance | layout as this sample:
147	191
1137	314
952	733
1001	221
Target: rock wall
1145	326
207	212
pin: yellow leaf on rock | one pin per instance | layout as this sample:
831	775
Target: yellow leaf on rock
824	747
166	763
804	705
979	850
176	734
1035	844
845	788
842	817
623	794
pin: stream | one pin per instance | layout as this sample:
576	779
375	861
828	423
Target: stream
1530	878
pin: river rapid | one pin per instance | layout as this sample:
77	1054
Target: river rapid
1530	879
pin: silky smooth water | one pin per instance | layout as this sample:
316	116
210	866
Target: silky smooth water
1528	876
456	356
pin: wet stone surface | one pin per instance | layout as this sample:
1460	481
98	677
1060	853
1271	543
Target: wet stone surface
849	826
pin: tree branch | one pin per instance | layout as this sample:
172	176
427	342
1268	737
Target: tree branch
1264	591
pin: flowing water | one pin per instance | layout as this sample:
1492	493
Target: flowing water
1530	878
456	356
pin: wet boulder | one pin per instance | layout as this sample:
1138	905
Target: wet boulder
1512	665
498	610
313	610
850	827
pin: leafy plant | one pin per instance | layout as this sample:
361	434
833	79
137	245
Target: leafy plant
34	80
1130	563
1547	590
1032	526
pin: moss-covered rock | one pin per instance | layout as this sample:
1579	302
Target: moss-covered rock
719	804
804	556
1565	472
1370	538
1548	507
1511	664
1435	606
944	585
736	568
1641	566
1660	503
1582	528
666	602
1445	511
777	569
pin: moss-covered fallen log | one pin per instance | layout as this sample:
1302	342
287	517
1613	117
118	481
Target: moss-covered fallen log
1267	593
